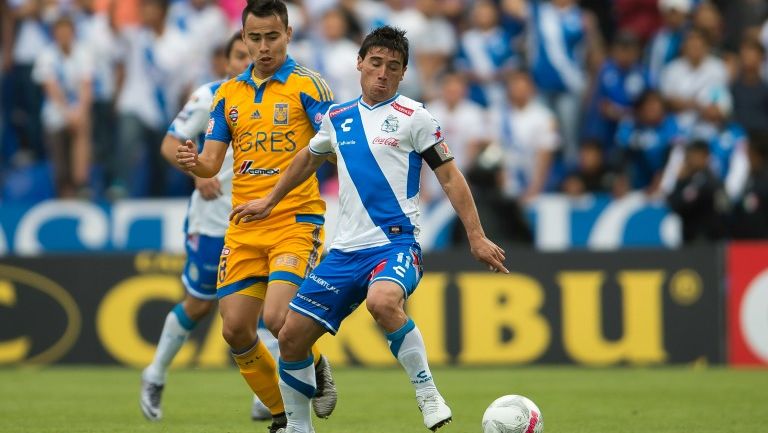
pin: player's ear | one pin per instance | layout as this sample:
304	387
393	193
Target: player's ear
359	63
405	68
289	32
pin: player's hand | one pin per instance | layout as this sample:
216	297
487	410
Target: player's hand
489	253
251	211
210	189
186	155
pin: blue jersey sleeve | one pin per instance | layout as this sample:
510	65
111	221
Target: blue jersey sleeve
218	129
315	109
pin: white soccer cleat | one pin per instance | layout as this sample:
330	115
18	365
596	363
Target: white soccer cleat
434	410
260	412
324	401
149	400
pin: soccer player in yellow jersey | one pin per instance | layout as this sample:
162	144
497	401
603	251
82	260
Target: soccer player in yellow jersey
268	113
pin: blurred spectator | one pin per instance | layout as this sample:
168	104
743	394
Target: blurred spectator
750	92
65	72
644	141
641	17
486	53
620	83
591	174
527	132
433	46
708	20
666	44
463	121
332	55
695	73
742	17
726	139
156	80
698	197
98	34
749	219
29	39
563	40
206	28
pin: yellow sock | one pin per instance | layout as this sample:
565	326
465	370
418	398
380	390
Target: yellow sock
316	353
259	370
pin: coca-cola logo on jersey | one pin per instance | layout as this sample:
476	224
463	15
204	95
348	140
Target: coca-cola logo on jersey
387	141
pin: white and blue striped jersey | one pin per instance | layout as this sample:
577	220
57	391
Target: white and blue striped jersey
558	49
206	217
379	151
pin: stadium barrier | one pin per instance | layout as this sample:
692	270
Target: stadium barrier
641	307
747	303
558	222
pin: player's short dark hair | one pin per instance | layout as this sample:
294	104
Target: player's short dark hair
237	36
388	37
266	8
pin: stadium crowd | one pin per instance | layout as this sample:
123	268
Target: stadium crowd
669	97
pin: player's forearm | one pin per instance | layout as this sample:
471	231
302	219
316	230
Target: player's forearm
457	190
302	167
168	149
206	166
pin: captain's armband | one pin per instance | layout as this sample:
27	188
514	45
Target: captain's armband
437	155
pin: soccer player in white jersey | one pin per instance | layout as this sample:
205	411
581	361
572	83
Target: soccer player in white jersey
380	139
207	221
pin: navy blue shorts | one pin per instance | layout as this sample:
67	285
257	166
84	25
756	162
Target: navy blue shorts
340	283
202	266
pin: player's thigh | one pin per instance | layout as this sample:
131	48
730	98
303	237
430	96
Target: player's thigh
399	265
298	335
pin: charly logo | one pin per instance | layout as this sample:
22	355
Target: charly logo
43	344
345	125
391	124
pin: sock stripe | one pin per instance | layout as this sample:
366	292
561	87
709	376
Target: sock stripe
184	320
396	338
304	388
296	365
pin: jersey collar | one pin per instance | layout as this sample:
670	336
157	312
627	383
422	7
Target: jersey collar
280	75
375	106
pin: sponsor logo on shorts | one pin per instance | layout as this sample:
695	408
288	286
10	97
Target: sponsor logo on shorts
328	286
246	168
225	251
318	118
287	261
312	302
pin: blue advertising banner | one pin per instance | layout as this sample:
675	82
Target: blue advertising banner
559	222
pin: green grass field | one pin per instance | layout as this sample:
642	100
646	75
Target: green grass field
380	400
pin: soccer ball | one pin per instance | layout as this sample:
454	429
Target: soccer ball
512	414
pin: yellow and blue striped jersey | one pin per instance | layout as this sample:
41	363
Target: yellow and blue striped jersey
267	123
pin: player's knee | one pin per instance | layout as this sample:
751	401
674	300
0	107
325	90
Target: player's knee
289	344
274	321
196	309
237	335
382	304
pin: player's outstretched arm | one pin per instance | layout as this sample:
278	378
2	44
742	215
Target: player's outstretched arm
303	165
206	164
457	190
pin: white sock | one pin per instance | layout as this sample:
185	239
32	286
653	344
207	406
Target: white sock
297	385
175	332
408	347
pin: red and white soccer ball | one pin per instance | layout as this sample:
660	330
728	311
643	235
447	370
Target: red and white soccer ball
512	414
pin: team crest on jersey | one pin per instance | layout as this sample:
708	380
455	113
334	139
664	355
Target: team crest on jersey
234	114
281	114
391	124
256	115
